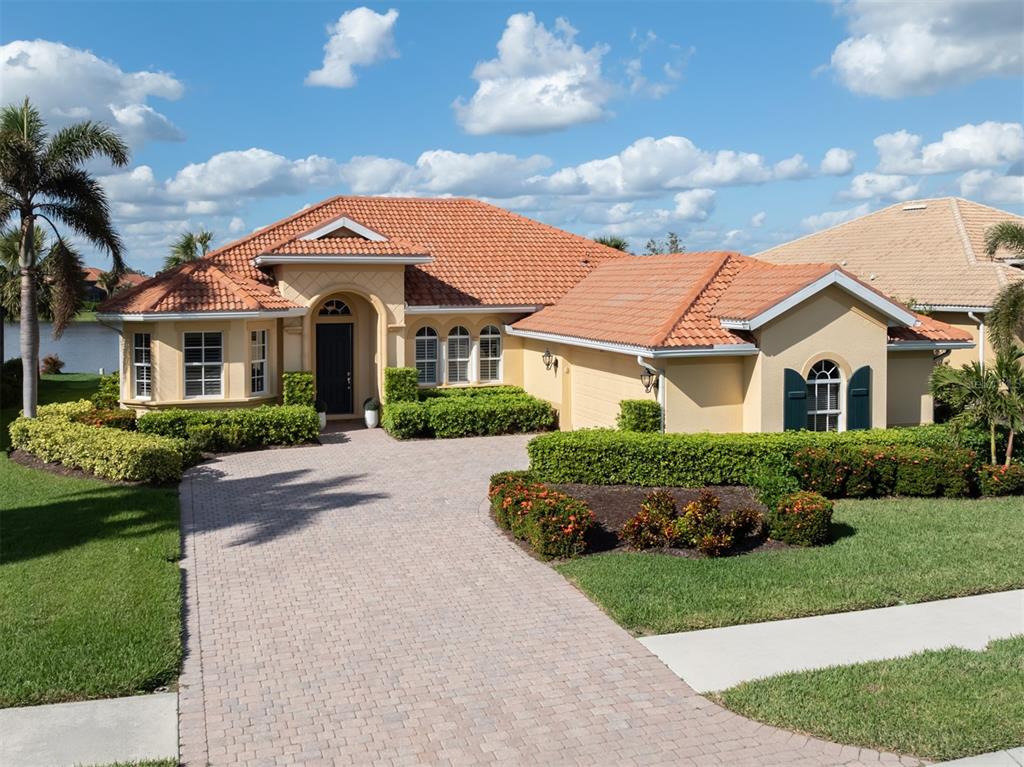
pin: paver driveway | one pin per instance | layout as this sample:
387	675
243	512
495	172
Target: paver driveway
352	603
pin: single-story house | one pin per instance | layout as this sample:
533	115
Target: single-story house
930	253
468	293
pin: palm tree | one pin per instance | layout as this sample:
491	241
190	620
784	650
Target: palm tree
613	241
1006	320
188	247
973	393
1005	234
1010	373
42	177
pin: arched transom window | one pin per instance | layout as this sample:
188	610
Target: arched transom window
458	355
426	355
335	307
823	409
490	354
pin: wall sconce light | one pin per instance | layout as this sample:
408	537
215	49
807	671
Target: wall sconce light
549	360
648	379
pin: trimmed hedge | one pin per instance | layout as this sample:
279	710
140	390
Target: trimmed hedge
111	453
114	418
1001	480
801	519
459	392
639	415
553	523
235	428
401	385
298	389
608	457
469	415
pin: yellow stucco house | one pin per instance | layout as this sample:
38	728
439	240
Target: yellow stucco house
468	294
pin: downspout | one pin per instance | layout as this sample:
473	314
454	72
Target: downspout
981	338
660	384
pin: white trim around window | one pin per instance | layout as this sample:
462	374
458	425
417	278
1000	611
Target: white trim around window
490	344
459	355
142	366
203	353
258	361
426	350
825	397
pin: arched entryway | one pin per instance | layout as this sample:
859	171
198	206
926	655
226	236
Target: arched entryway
343	353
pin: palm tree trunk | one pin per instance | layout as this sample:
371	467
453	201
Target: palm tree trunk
29	319
1009	448
991	439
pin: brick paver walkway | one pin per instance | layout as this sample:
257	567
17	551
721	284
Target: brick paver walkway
352	603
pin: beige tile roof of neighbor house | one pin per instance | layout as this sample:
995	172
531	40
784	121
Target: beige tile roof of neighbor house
679	301
481	254
929	251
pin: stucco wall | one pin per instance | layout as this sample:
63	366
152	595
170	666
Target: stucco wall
909	398
831	325
538	381
598	382
961	321
704	394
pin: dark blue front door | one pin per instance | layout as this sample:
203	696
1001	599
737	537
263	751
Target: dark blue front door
334	366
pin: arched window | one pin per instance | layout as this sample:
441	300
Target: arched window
490	354
426	355
458	355
823	408
335	308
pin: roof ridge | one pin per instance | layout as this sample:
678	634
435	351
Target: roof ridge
229	284
961	230
990	207
702	284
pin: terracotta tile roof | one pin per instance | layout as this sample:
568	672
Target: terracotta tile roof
92	273
131	279
194	287
347	246
929	251
679	300
928	329
482	254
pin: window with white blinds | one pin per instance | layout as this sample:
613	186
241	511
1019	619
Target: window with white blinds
490	354
258	361
823	408
142	365
459	348
204	364
426	355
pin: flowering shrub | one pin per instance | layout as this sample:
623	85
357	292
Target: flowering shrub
654	525
553	523
801	519
115	418
1001	480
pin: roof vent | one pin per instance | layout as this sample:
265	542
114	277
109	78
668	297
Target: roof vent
872	276
916	206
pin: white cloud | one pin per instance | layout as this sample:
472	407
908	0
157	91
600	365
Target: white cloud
989	186
867	186
236	225
901	49
541	81
252	172
694	205
69	84
833	217
969	146
837	161
757	220
792	167
360	37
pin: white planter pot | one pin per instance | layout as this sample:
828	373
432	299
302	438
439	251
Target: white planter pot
323	421
372	418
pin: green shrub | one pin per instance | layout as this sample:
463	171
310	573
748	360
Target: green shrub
771	485
401	385
703	526
926	473
460	392
108	394
110	453
235	428
51	364
654	525
554	524
11	379
115	418
639	415
1001	480
298	388
404	420
801	519
69	411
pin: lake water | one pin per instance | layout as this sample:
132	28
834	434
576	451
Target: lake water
85	347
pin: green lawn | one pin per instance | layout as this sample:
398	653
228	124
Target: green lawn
938	705
888	551
90	602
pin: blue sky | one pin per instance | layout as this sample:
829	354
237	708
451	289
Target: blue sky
708	119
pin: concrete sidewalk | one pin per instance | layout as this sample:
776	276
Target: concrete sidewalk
92	732
715	659
1011	758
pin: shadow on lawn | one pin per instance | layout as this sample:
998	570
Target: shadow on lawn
839	530
266	507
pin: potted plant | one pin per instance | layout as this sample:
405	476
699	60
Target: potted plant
321	410
371	412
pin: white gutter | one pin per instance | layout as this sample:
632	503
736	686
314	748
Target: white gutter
951	308
477	309
981	338
721	350
179	316
912	346
661	387
340	258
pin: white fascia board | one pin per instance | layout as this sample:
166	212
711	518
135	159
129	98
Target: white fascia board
951	308
913	346
344	223
340	258
871	298
495	309
179	316
633	350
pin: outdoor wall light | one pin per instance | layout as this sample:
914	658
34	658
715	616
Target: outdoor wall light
648	379
549	359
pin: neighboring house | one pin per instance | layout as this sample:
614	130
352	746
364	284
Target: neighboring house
928	252
468	293
94	289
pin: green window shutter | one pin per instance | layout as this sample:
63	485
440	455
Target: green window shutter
858	399
794	408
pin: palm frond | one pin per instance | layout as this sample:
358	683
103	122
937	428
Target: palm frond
1005	234
91	221
1005	322
63	272
77	144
